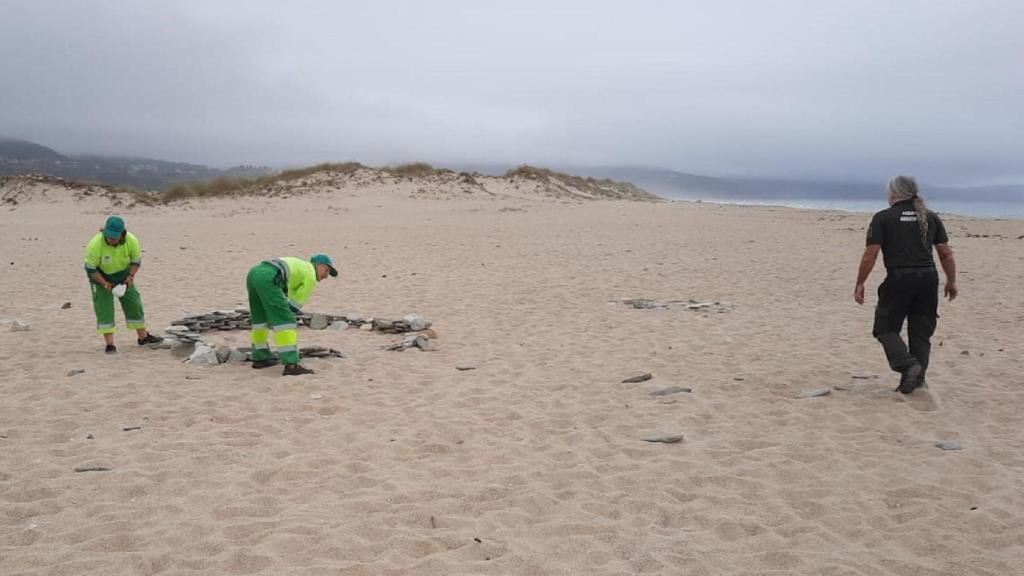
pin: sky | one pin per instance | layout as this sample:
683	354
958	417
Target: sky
837	90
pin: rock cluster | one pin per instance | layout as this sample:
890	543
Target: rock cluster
692	305
239	319
411	341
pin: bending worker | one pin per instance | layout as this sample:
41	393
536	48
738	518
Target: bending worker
906	233
278	288
112	259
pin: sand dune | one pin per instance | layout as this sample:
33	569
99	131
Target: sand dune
533	462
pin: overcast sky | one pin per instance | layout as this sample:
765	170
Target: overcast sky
826	89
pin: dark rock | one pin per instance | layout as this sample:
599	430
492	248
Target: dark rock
75	372
665	438
65	306
641	378
948	445
671	390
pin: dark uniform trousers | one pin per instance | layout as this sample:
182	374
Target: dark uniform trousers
910	294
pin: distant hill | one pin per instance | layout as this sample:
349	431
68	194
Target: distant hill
19	157
673	184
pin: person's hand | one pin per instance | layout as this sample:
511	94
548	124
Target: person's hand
950	290
108	286
129	280
858	294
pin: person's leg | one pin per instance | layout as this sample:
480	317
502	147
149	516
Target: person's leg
257	281
103	306
135	316
893	304
286	336
922	319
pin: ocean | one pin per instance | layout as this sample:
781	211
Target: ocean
1014	210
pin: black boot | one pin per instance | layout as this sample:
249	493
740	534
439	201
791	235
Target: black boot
110	349
265	363
911	379
296	370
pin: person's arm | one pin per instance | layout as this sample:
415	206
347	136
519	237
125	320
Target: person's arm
949	267
867	264
99	279
92	262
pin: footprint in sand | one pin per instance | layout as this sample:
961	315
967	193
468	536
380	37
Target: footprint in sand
922	400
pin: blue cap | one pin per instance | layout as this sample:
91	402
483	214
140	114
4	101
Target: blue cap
114	228
325	260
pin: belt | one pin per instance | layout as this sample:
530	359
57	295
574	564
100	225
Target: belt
913	270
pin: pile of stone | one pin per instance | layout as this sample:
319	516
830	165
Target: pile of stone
205	355
189	327
691	305
411	341
237	319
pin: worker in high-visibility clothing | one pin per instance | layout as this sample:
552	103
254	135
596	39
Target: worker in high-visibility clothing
112	260
278	288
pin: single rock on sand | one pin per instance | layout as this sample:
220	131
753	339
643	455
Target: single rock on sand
464	368
665	438
203	355
814	393
948	445
75	372
641	378
670	390
319	322
66	306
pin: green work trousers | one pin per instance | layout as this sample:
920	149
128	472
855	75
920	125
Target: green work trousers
103	306
269	310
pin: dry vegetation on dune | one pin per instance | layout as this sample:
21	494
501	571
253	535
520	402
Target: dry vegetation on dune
427	181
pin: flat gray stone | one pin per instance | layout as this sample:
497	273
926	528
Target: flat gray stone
416	322
223	353
76	372
182	349
948	445
665	438
319	322
671	390
338	325
814	393
237	357
203	355
641	378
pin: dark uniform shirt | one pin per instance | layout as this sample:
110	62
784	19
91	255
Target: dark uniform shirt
897	230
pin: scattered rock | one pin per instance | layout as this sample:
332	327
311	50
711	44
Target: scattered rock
89	436
338	326
130	428
966	353
814	393
203	355
14	325
691	305
92	469
76	372
464	368
223	353
416	322
665	438
948	445
641	378
671	390
182	349
842	387
865	376
319	322
366	327
65	306
316	396
237	357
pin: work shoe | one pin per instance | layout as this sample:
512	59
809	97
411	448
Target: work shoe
264	363
296	370
110	349
911	379
150	339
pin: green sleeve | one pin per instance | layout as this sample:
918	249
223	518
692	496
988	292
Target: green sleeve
93	254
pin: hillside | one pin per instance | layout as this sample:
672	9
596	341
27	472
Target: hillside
20	157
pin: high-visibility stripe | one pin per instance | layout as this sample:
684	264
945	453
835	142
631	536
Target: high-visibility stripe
260	346
136	262
261	326
286	338
281	327
102	326
134	321
283	349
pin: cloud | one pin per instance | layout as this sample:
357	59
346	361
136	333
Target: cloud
786	88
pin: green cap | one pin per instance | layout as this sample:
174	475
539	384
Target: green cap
114	228
326	261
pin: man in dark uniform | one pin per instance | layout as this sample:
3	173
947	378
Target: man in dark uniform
906	233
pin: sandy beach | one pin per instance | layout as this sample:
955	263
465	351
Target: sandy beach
534	461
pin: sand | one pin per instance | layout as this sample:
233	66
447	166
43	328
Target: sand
533	462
